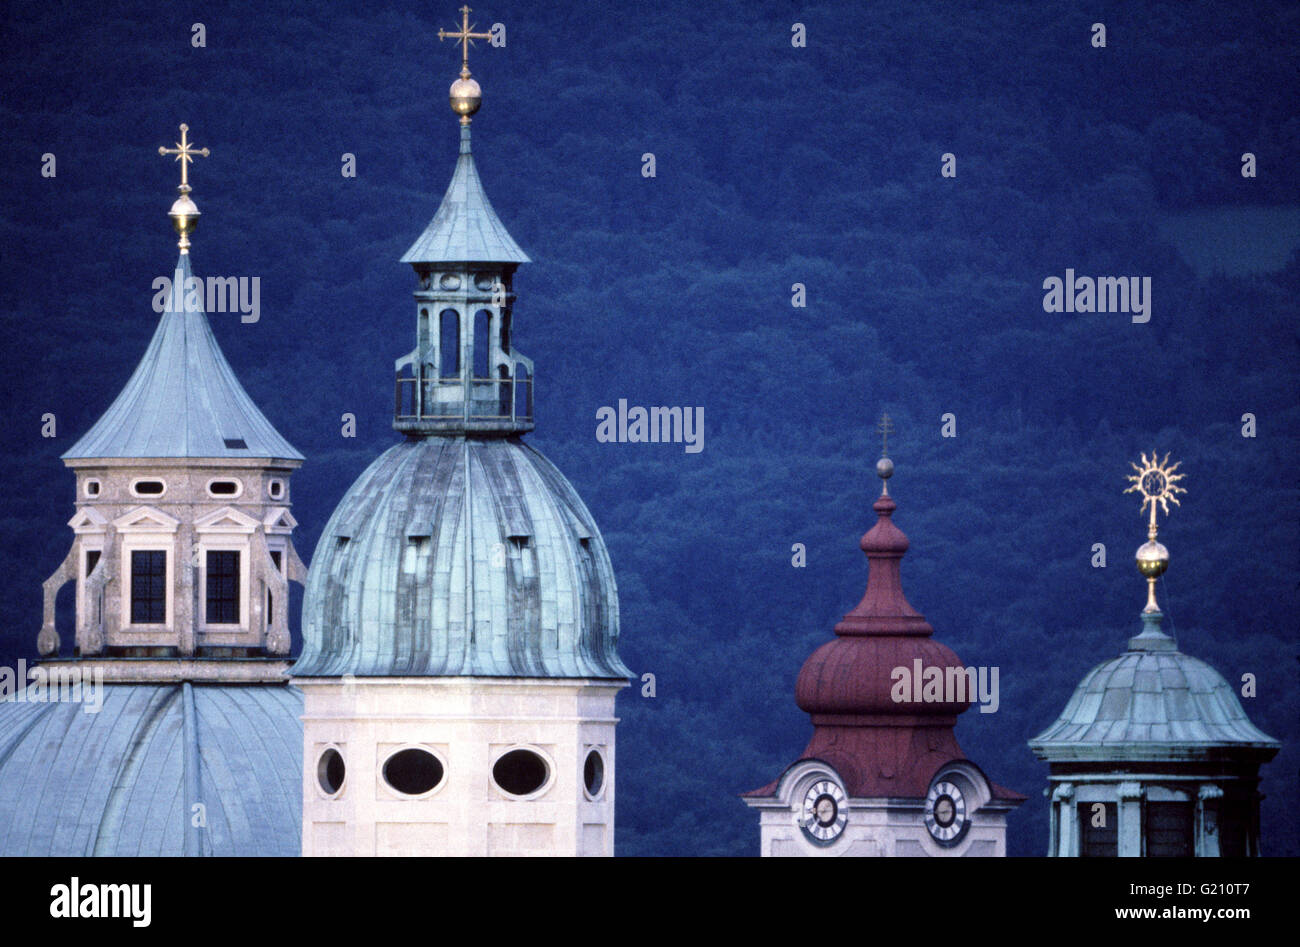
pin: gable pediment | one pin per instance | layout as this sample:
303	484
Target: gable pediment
146	519
88	520
279	520
226	520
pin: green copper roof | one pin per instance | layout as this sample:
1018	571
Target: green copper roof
1152	702
461	556
126	780
466	229
184	399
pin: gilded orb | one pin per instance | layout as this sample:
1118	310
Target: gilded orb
466	97
884	468
184	215
1152	559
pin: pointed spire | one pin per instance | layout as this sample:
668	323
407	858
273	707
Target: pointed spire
884	608
183	400
465	229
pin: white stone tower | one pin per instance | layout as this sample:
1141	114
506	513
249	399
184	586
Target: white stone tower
459	663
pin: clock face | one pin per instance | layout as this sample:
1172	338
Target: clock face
822	818
945	813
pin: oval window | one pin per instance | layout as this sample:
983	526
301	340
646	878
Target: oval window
147	488
92	488
593	773
276	489
223	488
330	771
485	281
450	281
413	772
521	772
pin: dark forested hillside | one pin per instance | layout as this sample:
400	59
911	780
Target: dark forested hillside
775	165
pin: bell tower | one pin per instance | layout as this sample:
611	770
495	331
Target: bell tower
883	774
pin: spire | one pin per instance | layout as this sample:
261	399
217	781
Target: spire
465	229
1157	483
183	400
884	608
464	376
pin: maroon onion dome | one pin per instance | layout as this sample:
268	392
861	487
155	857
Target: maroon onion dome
853	674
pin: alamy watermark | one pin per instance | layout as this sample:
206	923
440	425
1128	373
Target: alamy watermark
947	685
656	425
53	685
1130	294
241	294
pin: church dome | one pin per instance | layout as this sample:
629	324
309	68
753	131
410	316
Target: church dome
126	780
1152	702
461	556
854	673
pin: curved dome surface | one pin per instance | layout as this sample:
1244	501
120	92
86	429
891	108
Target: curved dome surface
461	556
1151	704
124	781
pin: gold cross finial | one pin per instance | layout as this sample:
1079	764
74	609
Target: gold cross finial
886	428
184	152
465	37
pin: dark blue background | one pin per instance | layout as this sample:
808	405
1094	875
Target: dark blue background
776	165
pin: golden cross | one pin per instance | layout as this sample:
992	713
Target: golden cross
184	153
463	37
886	428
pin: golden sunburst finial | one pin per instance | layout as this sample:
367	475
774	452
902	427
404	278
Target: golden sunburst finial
1157	482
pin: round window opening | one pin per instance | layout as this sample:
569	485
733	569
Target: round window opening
330	771
521	772
593	773
413	772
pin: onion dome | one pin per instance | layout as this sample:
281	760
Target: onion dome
853	673
126	780
461	556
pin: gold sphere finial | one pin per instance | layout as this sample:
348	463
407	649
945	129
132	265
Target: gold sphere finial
466	97
1157	482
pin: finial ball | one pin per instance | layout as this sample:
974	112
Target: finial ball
466	97
1152	559
884	468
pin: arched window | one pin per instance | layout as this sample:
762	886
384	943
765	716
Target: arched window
482	343
449	343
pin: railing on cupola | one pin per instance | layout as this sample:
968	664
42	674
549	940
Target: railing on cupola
437	390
